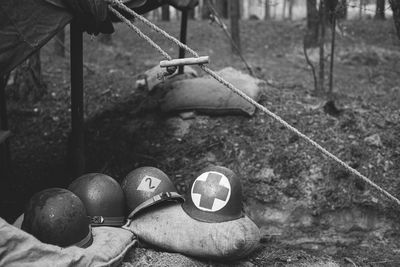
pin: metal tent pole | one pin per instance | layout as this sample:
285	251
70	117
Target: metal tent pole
184	22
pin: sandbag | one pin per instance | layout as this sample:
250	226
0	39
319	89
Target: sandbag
168	227
18	248
207	95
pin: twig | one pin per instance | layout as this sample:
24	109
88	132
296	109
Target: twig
351	261
312	67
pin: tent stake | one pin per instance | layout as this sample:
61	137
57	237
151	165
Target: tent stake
77	127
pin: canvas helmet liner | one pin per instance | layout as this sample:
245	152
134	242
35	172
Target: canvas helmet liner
215	196
103	198
57	216
147	186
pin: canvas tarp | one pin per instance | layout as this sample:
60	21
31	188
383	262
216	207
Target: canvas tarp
27	25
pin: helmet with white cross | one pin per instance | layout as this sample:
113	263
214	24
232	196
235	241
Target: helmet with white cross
215	196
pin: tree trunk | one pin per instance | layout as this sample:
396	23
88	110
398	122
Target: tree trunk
322	20
165	16
380	9
235	29
291	9
395	4
205	11
222	8
311	39
28	81
361	9
342	10
284	9
191	13
267	15
59	44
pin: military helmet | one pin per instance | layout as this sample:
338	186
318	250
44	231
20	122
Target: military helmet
147	186
57	216
215	196
103	198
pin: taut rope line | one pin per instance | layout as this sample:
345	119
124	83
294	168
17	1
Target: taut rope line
239	92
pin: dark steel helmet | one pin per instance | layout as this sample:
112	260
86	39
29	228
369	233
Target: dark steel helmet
215	196
147	186
57	216
103	198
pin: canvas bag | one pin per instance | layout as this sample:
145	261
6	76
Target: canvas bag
167	226
19	249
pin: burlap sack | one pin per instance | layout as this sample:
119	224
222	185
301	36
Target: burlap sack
18	248
168	227
208	96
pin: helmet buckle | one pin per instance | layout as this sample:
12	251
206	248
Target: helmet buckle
97	220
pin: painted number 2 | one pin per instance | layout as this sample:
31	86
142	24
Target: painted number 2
149	184
148	179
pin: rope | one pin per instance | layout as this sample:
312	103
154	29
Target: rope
247	98
138	31
152	26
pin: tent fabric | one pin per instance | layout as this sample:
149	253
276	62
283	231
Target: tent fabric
25	26
18	248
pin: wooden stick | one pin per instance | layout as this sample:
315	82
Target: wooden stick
184	61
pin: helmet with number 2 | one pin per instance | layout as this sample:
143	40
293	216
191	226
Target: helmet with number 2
147	186
215	196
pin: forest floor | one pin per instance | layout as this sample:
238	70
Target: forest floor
309	210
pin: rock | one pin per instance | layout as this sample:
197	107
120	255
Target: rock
180	127
374	140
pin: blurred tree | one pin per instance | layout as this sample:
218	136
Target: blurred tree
267	15
395	4
361	8
311	38
205	10
222	7
291	9
380	9
322	20
28	81
284	9
191	13
59	44
235	28
165	15
342	10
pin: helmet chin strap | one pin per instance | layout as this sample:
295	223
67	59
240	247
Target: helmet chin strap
164	196
85	242
107	221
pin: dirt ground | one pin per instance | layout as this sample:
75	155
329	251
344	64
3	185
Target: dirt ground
310	210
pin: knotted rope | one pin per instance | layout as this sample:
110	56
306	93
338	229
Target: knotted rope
238	91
